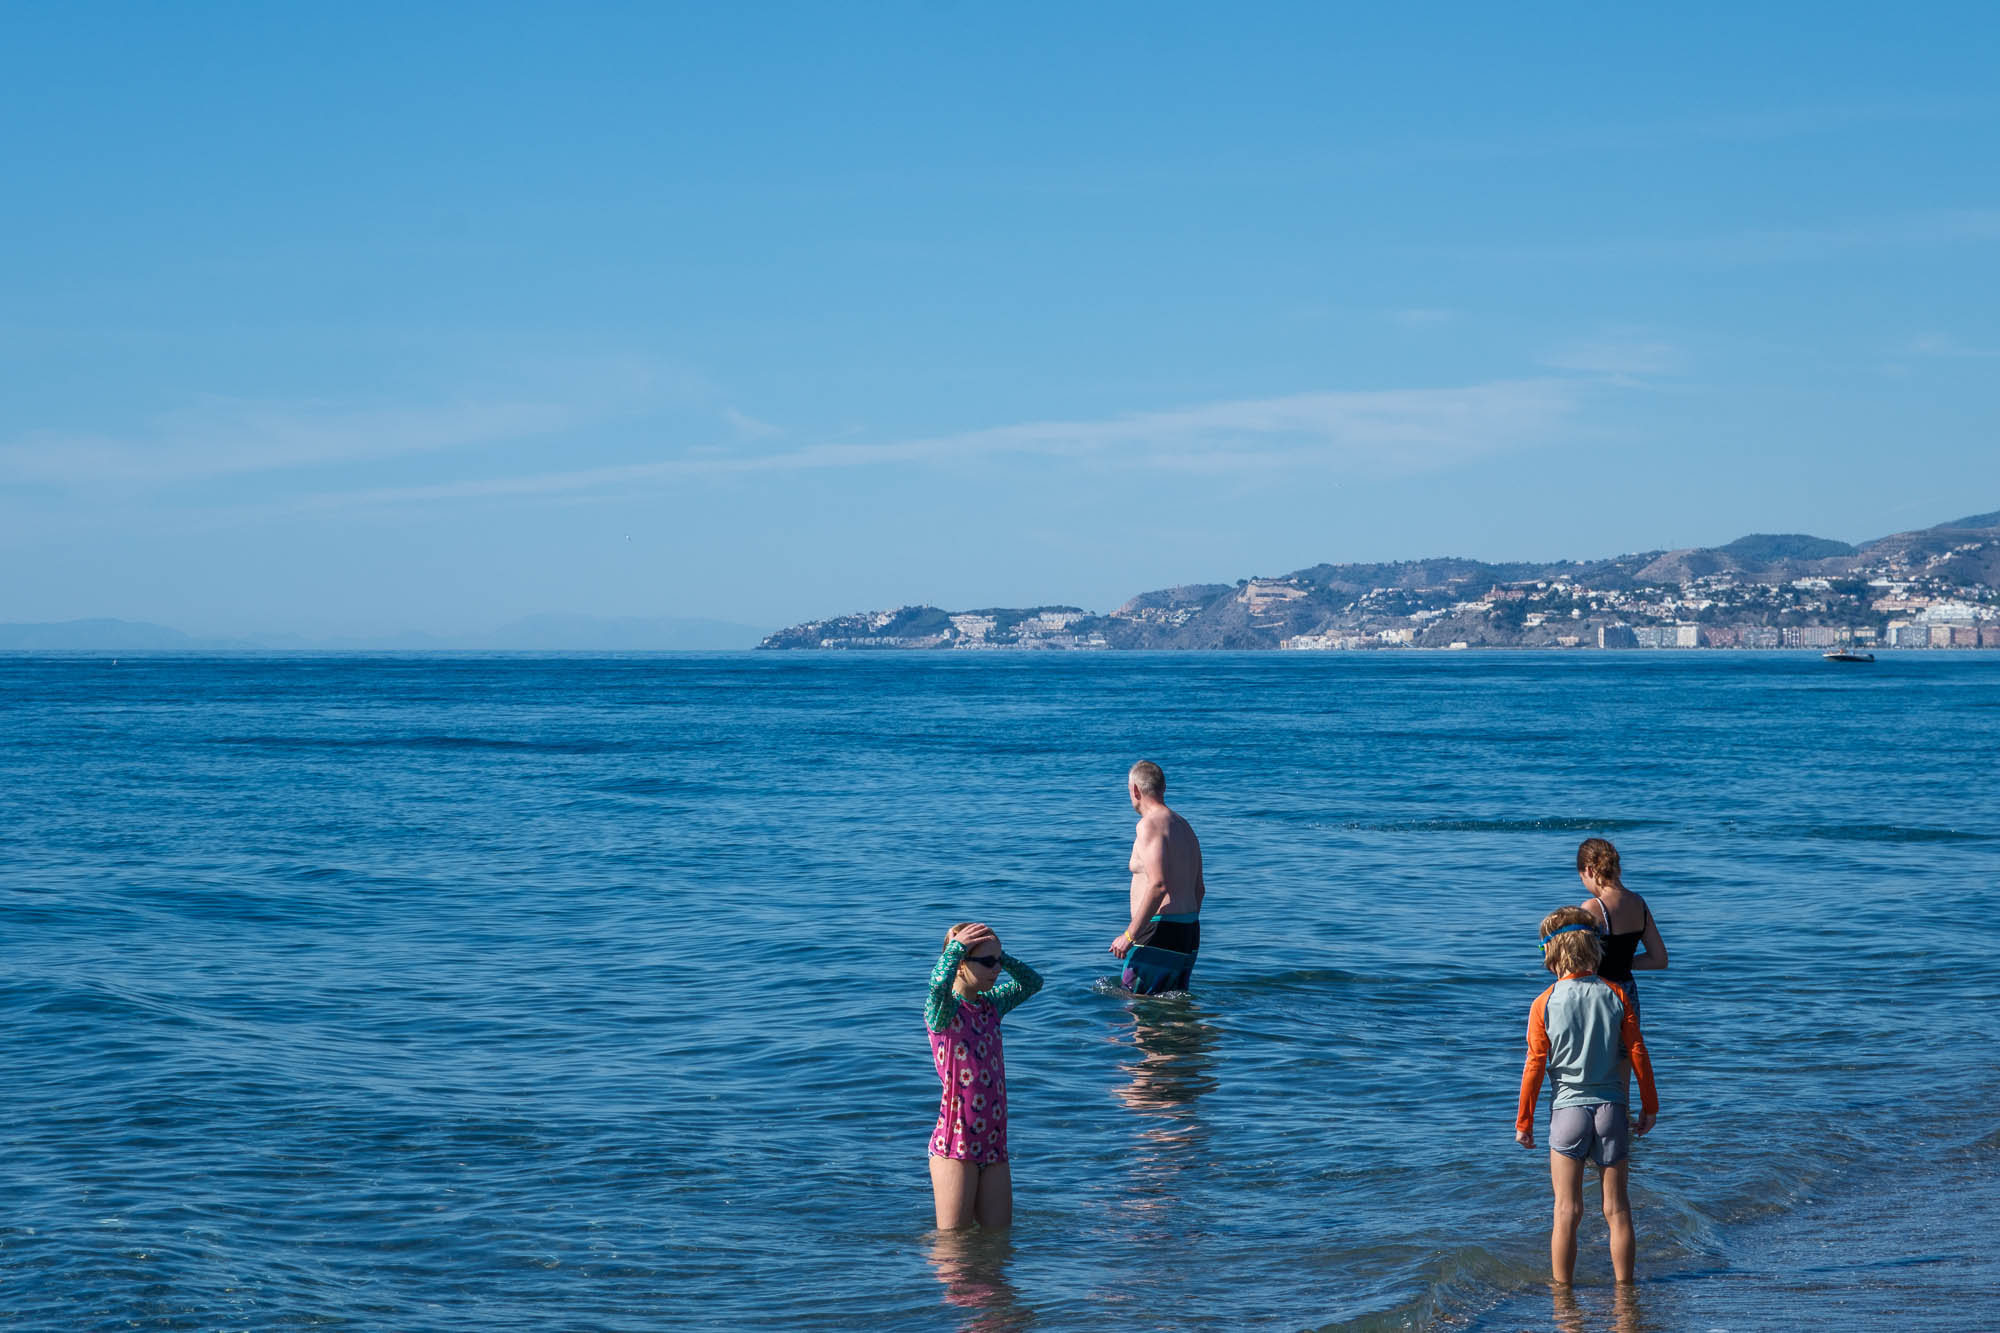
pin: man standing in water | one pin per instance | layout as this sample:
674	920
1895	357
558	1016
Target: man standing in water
1160	942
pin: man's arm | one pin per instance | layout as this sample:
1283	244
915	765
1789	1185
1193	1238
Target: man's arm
1149	854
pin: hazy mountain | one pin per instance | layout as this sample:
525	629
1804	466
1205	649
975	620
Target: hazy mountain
623	634
71	636
549	633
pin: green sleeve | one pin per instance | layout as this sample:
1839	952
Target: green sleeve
942	1006
1020	982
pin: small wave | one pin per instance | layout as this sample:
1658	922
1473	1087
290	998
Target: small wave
1462	1282
647	787
418	743
93	1000
1889	833
1449	734
1305	976
1543	824
1113	986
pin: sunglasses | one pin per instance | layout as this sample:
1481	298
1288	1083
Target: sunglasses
984	959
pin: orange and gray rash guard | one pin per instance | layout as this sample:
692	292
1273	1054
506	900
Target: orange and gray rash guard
1578	1031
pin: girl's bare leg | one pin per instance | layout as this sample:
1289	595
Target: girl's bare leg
1618	1221
1566	1176
954	1186
995	1207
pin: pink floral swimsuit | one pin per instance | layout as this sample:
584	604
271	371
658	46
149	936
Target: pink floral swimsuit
965	1047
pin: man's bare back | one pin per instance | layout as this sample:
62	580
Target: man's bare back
1163	934
1166	865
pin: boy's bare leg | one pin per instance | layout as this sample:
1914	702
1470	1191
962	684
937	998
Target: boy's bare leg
954	1186
995	1206
1566	1176
1618	1221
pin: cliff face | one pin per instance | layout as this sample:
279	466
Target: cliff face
1762	580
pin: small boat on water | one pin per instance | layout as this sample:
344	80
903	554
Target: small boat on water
1847	655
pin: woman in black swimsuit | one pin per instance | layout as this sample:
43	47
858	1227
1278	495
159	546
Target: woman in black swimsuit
1627	921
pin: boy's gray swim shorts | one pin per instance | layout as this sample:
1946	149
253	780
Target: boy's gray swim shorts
1599	1133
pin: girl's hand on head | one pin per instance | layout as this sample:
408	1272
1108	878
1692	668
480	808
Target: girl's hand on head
971	934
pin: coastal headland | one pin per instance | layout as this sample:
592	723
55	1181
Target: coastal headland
1936	587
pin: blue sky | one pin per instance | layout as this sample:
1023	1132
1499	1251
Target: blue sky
348	319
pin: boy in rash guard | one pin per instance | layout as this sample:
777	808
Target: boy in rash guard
1582	1030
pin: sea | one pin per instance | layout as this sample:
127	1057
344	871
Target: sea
585	993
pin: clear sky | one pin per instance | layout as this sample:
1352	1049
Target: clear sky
360	317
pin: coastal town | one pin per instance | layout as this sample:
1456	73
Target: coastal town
1933	589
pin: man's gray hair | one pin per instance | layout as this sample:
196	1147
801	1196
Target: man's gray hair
1148	778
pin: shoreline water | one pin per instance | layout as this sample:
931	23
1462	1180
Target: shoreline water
1887	1246
373	992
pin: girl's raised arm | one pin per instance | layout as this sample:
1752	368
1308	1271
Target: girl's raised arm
942	1005
1020	982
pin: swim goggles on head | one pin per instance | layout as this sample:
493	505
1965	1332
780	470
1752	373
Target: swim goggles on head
1562	930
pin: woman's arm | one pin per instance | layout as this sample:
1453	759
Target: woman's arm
942	1006
1642	1065
1655	957
1020	982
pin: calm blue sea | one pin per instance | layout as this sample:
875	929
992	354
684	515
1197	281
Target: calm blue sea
521	993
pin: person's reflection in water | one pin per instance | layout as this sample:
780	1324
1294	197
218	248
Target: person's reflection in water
1626	1314
972	1264
1174	1066
1568	1313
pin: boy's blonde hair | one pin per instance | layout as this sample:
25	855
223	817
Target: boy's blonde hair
1573	950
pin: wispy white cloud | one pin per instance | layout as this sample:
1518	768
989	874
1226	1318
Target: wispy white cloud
1621	356
1385	432
220	436
225	437
1771	245
1766	125
748	427
1943	345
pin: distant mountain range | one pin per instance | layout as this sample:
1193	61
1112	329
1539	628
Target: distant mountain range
1760	583
545	633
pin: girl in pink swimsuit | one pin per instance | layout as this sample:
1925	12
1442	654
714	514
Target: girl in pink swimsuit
970	1177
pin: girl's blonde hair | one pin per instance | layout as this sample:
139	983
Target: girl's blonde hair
1597	857
1573	950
